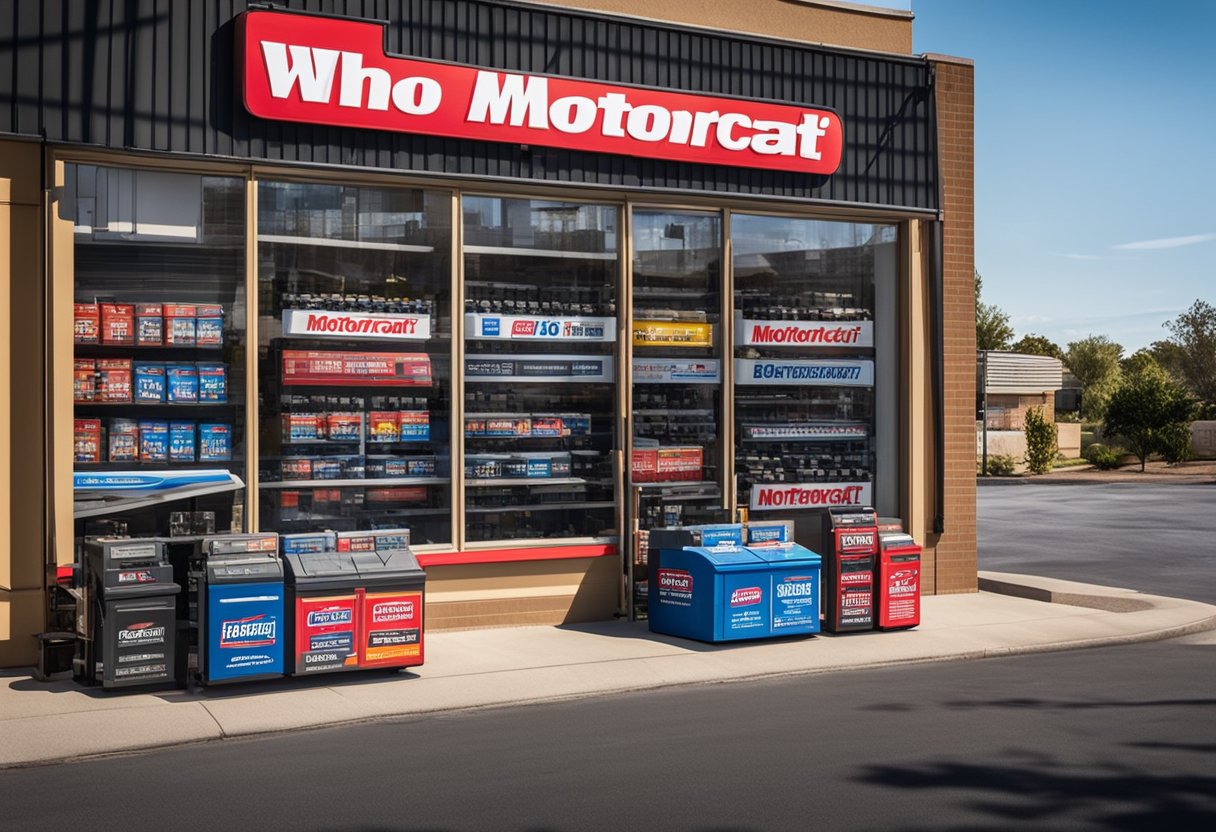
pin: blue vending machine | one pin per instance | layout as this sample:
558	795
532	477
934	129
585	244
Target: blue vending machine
731	593
241	620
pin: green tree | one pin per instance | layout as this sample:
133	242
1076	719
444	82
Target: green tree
1193	356
1037	345
1149	411
1095	363
992	329
1041	445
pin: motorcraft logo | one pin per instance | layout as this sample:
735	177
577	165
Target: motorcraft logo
145	632
254	631
808	334
327	70
809	496
390	611
328	618
746	596
322	323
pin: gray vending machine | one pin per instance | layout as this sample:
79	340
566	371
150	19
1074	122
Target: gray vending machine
127	630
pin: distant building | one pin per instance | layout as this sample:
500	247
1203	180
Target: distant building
1015	383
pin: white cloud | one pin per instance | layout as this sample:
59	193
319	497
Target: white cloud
1166	242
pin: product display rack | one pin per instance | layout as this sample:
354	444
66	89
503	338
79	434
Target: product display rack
804	369
159	345
540	331
355	359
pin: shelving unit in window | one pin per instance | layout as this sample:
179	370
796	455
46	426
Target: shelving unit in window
540	344
804	364
355	333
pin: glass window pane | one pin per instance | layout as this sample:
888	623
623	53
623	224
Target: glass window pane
354	295
540	327
159	382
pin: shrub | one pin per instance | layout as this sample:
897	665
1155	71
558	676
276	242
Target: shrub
1174	443
1000	465
1103	457
1041	447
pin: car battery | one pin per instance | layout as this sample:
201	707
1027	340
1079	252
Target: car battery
849	538
128	621
241	622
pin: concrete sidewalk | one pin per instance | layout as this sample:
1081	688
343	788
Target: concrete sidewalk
46	722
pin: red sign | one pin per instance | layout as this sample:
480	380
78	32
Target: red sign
380	369
390	629
326	70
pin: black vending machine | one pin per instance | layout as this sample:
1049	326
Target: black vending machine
849	542
128	628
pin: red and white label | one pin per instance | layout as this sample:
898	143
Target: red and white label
768	497
863	542
326	324
804	333
326	70
746	596
675	580
390	611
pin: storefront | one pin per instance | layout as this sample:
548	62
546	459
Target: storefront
523	279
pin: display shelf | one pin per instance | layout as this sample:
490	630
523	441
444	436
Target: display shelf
475	483
330	242
540	252
351	483
540	507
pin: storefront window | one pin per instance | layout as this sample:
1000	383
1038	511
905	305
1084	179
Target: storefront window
677	367
354	349
806	341
159	382
540	380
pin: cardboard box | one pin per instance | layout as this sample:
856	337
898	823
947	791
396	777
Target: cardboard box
118	324
303	427
209	325
84	380
212	383
295	468
87	441
182	444
181	325
214	442
124	440
86	328
344	426
114	380
384	426
149	383
181	382
149	325
154	441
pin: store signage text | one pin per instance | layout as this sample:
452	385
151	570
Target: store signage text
765	497
804	333
826	372
325	70
326	324
540	328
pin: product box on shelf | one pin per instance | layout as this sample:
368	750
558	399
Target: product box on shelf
295	468
344	426
308	543
665	464
149	325
392	497
327	468
124	440
149	383
87	440
209	325
114	380
181	442
214	442
86	327
549	426
384	426
181	325
212	383
182	383
372	369
303	427
380	540
415	425
118	324
508	426
84	380
154	441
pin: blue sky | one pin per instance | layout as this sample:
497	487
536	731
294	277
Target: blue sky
1095	158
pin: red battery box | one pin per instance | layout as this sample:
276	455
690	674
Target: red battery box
84	380
87	326
114	380
118	324
149	325
87	440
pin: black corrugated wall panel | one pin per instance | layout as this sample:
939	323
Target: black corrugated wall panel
157	75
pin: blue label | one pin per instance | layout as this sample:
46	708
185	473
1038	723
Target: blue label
340	642
795	602
766	534
245	630
718	535
538	468
490	327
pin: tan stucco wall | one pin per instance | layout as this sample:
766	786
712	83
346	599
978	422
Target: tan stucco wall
875	29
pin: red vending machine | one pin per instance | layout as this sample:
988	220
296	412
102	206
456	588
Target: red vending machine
898	582
850	543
